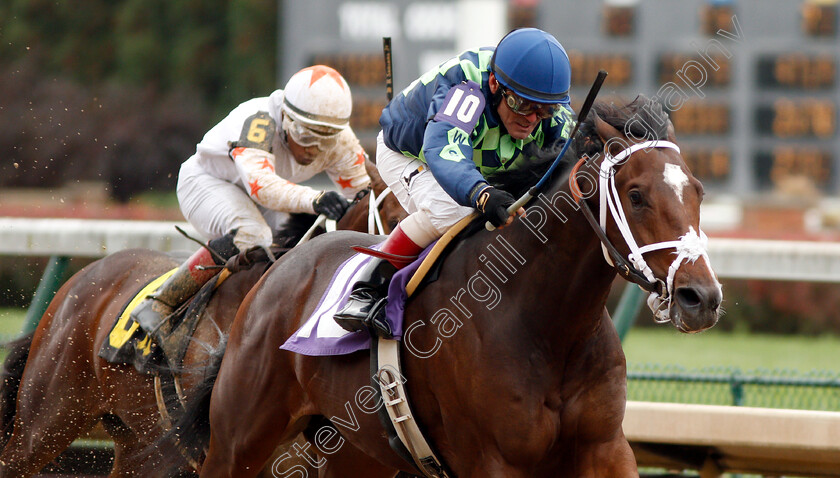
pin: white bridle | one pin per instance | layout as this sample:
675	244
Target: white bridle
374	218
689	247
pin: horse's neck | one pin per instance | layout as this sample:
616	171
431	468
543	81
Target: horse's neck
565	279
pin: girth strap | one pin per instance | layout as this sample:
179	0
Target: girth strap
405	436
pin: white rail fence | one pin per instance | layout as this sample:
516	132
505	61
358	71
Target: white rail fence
89	238
713	439
716	439
732	258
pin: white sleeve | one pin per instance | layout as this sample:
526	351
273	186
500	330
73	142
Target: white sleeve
266	188
347	165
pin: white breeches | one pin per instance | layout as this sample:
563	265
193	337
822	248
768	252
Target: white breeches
215	207
418	191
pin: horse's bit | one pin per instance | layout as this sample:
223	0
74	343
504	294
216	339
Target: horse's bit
689	247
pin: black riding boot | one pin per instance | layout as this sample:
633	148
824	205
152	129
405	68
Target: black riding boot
365	308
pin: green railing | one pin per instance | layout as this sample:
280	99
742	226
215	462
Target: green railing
816	390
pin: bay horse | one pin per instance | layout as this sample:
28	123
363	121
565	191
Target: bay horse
56	388
522	373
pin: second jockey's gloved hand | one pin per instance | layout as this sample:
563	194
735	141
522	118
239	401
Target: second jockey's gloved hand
330	204
493	204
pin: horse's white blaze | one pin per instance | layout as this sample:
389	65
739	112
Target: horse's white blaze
676	178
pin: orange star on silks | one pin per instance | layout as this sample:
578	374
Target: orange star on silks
360	159
319	71
255	188
266	165
344	183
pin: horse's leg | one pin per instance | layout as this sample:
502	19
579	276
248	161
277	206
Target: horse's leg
243	454
602	408
124	439
361	467
349	462
55	404
289	460
249	412
128	448
614	458
488	467
302	458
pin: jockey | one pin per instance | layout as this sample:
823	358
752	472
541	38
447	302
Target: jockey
479	115
240	184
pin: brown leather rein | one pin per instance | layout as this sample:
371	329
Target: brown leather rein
624	268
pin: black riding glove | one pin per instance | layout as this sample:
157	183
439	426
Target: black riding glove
493	204
330	204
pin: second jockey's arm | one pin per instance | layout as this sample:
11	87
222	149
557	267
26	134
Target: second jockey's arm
448	151
348	171
266	188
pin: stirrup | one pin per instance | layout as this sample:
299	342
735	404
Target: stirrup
350	323
152	322
146	317
354	315
353	319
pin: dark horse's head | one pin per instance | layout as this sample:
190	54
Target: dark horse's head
649	204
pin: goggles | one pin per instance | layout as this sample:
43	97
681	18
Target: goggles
525	107
306	136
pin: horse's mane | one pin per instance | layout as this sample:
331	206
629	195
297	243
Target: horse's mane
642	118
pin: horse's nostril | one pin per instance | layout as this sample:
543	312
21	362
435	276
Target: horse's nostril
688	297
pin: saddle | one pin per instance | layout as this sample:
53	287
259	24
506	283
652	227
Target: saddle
127	343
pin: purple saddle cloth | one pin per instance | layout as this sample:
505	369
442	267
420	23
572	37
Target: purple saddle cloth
321	335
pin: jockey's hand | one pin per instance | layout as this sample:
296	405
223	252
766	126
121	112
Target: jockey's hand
330	204
493	204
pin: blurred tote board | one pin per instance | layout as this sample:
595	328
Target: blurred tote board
751	85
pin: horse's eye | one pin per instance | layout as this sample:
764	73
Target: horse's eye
636	199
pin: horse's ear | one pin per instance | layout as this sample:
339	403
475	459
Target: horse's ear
606	132
671	135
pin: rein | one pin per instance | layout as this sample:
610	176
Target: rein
374	218
328	224
690	246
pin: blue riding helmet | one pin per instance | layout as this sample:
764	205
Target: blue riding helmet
534	65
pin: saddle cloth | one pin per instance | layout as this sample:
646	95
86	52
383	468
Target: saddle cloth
321	335
125	330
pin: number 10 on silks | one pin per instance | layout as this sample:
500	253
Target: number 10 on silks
462	106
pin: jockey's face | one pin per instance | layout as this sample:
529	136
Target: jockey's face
517	125
303	155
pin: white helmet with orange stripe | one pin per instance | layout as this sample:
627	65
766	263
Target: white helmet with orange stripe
316	103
